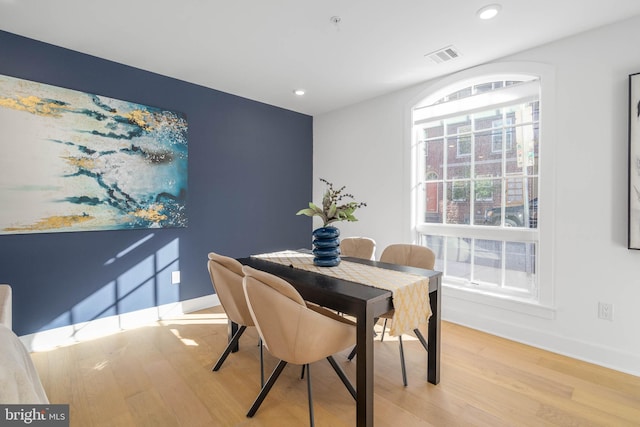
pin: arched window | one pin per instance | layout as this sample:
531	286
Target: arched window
476	157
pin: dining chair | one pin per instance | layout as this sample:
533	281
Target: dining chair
412	256
358	247
226	278
294	331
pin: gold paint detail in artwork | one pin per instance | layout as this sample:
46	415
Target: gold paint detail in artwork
141	118
53	222
81	162
34	105
152	214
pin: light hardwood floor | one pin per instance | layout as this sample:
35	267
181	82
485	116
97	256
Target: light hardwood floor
160	375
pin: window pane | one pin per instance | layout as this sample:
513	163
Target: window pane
458	130
436	244
458	257
455	252
463	145
520	266
522	113
433	202
487	202
514	207
433	130
484	189
512	204
502	134
433	150
514	191
487	161
458	202
484	87
525	154
524	136
457	167
488	261
463	93
484	119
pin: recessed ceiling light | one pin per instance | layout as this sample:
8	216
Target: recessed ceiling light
299	92
488	12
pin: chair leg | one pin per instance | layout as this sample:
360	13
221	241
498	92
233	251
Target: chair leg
421	338
302	373
261	363
311	422
231	345
355	348
353	353
404	370
342	376
402	362
267	387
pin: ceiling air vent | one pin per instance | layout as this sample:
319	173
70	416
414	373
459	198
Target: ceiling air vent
443	55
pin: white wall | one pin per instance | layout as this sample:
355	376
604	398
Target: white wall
365	147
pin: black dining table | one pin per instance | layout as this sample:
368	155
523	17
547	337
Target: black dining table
366	304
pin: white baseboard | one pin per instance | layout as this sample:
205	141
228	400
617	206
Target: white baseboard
67	335
566	346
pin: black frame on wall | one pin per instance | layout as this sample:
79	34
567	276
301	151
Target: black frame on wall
634	162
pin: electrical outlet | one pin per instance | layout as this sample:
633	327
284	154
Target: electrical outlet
605	311
175	277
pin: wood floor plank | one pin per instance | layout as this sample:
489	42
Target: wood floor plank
148	409
177	395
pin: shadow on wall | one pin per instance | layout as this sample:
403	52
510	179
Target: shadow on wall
143	285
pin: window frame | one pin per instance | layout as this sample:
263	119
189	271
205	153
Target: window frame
543	305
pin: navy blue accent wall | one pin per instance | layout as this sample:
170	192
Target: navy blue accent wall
250	171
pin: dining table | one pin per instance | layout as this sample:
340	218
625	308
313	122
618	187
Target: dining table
366	303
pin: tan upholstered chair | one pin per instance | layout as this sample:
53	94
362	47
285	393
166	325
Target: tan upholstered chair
409	255
358	247
293	331
226	278
412	256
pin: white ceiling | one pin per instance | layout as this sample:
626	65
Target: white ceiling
264	49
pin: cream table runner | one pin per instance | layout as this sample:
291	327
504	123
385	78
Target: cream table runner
410	292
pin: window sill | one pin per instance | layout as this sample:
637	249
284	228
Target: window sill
529	307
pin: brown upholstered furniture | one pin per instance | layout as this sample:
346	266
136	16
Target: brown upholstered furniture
412	256
294	331
358	247
226	278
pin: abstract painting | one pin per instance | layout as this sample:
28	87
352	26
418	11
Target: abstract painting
634	161
76	161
